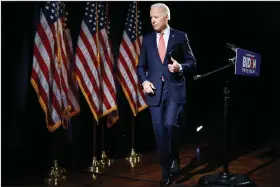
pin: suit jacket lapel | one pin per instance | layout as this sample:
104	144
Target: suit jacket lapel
155	47
171	41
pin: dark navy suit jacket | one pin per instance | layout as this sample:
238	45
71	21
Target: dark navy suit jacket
152	69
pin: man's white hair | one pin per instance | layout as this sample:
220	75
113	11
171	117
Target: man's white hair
164	6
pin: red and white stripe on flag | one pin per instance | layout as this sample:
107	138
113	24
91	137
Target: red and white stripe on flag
94	62
52	68
128	59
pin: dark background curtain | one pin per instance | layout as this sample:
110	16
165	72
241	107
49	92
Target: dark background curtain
27	147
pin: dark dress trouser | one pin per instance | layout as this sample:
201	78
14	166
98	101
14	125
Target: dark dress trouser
165	119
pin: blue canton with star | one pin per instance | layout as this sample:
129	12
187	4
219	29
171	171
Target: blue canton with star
52	10
93	11
133	25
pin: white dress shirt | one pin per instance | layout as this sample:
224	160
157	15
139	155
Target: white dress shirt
166	34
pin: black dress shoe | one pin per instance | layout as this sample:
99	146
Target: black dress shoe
165	182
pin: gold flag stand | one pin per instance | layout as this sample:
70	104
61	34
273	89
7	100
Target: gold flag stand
56	175
105	161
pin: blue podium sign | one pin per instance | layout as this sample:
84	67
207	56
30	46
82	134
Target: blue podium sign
247	63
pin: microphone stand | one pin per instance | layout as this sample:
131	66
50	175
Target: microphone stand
224	178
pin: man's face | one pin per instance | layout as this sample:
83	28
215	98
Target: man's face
158	18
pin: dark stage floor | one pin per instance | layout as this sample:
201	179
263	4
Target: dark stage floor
262	165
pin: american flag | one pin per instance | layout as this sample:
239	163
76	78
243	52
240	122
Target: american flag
128	59
52	76
94	61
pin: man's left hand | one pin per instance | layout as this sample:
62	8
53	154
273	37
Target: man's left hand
174	67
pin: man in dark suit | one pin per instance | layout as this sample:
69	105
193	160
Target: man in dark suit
163	80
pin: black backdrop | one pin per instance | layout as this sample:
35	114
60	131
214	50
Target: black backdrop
254	111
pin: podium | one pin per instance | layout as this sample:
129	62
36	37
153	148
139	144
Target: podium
245	63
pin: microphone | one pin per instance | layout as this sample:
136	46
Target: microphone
231	46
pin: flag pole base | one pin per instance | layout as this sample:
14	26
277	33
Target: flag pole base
105	161
56	175
95	168
133	158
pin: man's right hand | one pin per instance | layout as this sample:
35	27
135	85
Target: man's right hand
148	87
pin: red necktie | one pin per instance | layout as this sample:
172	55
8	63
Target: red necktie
161	47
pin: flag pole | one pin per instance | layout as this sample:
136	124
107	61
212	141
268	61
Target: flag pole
95	167
105	161
134	158
56	174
